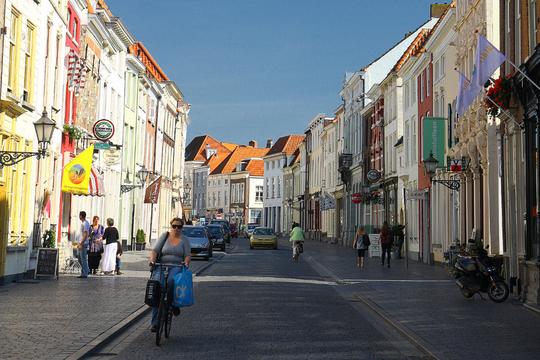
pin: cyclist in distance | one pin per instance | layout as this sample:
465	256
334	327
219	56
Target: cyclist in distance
297	236
172	247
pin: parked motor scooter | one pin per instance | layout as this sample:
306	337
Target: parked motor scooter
478	274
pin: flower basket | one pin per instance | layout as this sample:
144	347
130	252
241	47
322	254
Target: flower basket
499	92
72	131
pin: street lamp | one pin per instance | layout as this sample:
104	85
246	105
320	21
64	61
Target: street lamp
430	165
141	175
44	129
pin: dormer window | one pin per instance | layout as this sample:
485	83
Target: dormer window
210	152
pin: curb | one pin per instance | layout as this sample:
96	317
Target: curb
98	342
110	334
411	336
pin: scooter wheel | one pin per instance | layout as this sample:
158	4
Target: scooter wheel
466	293
498	292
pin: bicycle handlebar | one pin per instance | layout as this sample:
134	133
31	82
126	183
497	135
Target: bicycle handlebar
183	263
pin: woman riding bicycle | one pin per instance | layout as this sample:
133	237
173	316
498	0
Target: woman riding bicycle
297	236
175	248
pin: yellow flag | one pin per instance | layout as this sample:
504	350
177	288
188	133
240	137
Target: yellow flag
76	176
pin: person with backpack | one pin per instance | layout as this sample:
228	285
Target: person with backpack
361	243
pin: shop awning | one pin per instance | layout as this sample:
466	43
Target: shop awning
96	187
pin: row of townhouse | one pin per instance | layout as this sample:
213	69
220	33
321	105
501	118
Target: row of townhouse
243	184
73	62
400	112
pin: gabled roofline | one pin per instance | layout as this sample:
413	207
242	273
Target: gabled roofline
395	45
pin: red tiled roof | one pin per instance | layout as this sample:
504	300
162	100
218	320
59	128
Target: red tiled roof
152	67
255	167
240	153
418	45
296	157
230	146
101	4
195	151
286	144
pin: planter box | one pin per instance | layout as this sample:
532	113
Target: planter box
140	246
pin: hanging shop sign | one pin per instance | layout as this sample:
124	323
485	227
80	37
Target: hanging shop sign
111	157
416	195
103	129
373	176
357	198
434	142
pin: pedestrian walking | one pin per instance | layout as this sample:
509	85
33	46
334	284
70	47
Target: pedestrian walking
385	239
95	249
83	245
111	237
401	239
360	244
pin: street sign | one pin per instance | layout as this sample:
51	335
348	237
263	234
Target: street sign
373	176
102	146
218	215
103	129
357	198
230	214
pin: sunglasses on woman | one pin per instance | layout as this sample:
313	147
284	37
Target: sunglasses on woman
176	226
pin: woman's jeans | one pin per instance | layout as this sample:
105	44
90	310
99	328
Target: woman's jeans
386	247
170	287
83	259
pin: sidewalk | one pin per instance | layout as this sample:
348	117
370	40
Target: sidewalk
50	319
425	301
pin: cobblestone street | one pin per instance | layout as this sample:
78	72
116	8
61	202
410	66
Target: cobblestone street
239	314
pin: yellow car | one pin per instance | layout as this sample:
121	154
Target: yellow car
264	237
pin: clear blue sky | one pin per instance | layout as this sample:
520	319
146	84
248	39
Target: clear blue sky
260	69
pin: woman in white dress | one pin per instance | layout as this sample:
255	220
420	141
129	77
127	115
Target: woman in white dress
108	263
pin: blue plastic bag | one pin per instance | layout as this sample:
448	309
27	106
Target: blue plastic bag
183	289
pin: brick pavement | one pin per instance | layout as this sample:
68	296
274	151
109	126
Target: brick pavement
427	302
50	319
54	319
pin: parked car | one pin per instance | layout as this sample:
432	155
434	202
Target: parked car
201	241
234	232
225	224
217	233
249	229
263	237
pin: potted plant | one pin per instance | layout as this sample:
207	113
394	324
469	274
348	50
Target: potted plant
499	92
49	237
73	132
140	239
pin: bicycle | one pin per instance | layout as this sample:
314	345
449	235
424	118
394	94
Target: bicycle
165	310
298	249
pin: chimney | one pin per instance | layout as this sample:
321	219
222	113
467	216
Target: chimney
436	10
269	143
253	143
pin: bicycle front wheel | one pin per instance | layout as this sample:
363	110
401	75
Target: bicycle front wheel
167	320
160	323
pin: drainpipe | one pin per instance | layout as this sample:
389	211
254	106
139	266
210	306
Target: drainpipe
154	164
